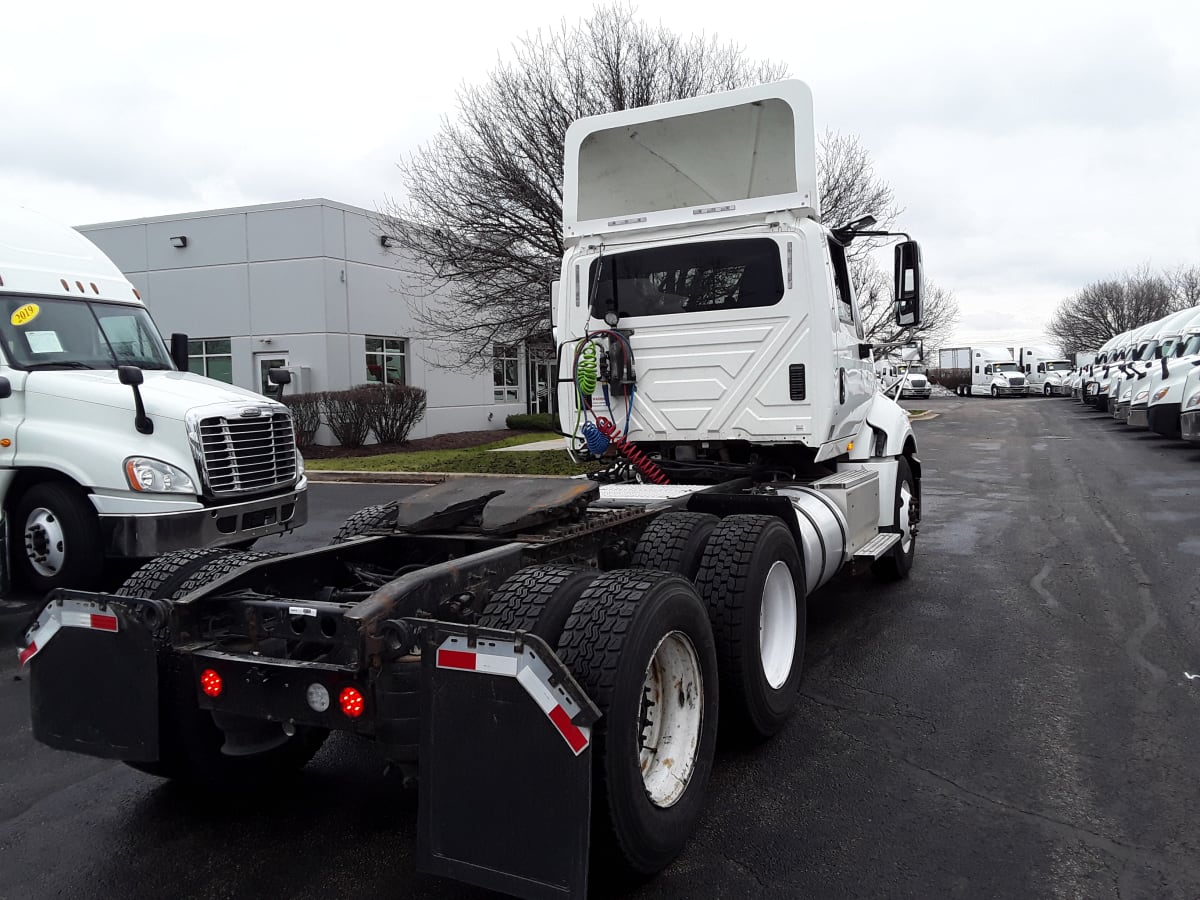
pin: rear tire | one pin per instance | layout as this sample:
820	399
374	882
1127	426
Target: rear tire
752	582
370	518
900	560
159	577
639	643
537	599
675	542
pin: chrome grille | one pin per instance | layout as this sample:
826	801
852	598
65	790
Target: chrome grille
243	455
1018	382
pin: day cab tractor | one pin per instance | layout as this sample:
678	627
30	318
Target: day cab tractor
551	659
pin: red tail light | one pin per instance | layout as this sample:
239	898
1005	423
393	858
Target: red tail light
211	683
352	702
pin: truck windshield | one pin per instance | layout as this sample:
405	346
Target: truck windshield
1191	346
1058	365
683	278
1005	367
53	333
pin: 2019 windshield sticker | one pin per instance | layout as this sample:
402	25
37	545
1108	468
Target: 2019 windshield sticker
23	315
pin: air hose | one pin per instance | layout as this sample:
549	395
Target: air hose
630	451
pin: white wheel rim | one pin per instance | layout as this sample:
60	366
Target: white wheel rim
904	517
777	618
45	544
671	718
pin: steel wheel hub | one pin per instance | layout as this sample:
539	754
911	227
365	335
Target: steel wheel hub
671	717
45	544
778	615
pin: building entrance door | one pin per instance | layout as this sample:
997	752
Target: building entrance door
264	363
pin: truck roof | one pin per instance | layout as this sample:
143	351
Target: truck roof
715	156
41	256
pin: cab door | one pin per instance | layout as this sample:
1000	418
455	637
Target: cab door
855	386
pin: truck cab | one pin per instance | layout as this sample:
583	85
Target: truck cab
1043	369
724	309
995	373
109	448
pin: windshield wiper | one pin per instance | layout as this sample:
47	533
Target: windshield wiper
60	364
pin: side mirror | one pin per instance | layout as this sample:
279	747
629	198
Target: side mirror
179	351
909	284
279	375
5	388
130	375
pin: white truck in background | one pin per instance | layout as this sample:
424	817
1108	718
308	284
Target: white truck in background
514	640
903	375
1044	370
989	371
109	447
1153	345
1165	384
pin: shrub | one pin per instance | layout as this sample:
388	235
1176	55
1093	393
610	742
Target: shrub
348	413
306	417
396	409
533	422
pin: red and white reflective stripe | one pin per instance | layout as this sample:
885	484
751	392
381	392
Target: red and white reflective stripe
54	617
489	662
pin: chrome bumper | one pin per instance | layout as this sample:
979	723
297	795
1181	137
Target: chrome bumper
1138	417
156	533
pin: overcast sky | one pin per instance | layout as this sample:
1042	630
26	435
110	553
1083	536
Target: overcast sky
1034	146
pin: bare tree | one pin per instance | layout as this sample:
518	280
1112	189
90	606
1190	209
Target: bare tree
850	188
1185	285
484	210
875	292
1105	309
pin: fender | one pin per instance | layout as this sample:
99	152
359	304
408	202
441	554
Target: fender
884	416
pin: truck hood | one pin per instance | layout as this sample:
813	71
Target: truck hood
166	395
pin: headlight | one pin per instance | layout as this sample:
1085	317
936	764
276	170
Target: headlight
1193	400
1125	395
1159	394
153	476
1142	395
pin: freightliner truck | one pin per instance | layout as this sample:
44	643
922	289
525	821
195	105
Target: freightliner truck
510	641
110	449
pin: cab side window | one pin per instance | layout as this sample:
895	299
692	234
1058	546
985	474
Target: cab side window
841	283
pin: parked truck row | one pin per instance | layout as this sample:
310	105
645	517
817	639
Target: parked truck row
998	371
504	642
1148	377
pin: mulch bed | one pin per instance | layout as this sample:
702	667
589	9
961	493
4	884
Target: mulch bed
460	440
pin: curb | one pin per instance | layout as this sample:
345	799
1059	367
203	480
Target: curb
924	417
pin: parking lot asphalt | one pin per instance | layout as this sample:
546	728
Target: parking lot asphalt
1017	719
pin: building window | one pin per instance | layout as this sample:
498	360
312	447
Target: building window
212	357
505	367
386	360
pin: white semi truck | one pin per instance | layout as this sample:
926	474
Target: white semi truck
109	447
1044	370
1164	388
508	641
903	375
989	371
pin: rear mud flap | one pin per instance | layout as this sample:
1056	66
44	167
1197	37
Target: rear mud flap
93	678
505	764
